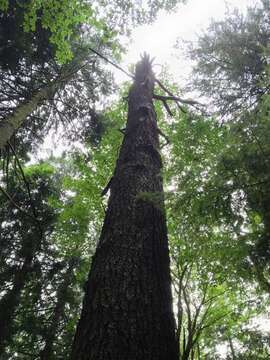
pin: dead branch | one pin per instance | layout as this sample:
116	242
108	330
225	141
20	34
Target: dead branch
167	107
107	187
164	136
177	99
122	131
164	101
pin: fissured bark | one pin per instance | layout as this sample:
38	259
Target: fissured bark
127	309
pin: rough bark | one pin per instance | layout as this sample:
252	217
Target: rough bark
127	309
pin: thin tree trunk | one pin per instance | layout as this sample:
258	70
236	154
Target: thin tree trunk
179	317
51	333
198	351
11	123
127	309
180	310
232	348
10	302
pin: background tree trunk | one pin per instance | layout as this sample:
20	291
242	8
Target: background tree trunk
127	309
11	300
12	123
58	313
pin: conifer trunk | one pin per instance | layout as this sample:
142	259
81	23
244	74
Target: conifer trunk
14	121
127	309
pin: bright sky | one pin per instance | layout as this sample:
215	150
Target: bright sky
159	39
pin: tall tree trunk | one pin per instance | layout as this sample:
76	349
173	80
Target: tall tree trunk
61	299
127	309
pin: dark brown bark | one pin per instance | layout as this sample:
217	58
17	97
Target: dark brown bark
127	309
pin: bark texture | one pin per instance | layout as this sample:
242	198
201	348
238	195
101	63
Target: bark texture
127	309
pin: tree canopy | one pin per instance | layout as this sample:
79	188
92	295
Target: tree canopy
215	172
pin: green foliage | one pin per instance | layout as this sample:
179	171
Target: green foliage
213	229
207	258
63	19
60	18
3	5
230	60
224	221
216	179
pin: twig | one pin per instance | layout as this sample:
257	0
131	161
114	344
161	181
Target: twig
27	187
163	135
111	62
16	205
